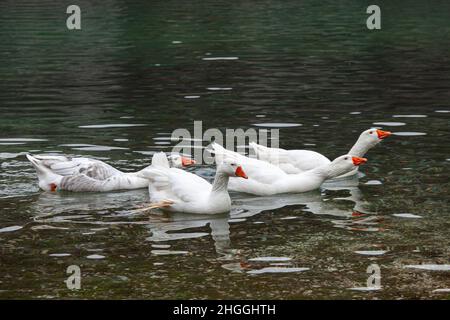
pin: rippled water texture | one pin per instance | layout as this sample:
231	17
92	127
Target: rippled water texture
138	70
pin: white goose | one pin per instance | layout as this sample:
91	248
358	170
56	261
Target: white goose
266	179
297	161
176	190
85	174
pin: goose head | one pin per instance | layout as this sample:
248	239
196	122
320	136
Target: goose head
48	181
232	168
374	136
178	161
344	164
367	140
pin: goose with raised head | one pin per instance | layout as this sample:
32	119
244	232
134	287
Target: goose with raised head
86	174
266	179
176	190
297	161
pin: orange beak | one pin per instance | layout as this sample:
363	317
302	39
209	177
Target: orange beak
53	187
357	160
383	134
186	162
240	173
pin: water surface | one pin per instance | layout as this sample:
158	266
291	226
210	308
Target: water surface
139	70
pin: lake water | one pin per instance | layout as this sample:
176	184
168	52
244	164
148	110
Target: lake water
137	71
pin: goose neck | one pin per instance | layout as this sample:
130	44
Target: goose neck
220	183
360	148
323	171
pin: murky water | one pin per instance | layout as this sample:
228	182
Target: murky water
135	72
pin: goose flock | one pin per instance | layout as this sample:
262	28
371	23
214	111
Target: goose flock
273	171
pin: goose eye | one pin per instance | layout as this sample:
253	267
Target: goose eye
233	164
370	132
346	158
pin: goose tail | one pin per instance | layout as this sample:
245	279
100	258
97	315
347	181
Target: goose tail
160	160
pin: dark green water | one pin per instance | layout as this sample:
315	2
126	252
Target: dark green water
306	62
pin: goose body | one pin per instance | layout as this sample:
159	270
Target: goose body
298	161
66	166
86	174
290	161
176	190
267	179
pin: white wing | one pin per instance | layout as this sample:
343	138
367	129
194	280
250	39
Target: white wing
65	166
255	169
271	155
188	186
175	184
290	161
81	183
160	160
305	160
84	183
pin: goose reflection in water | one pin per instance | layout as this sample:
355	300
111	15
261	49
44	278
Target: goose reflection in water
61	202
218	224
244	206
348	212
314	201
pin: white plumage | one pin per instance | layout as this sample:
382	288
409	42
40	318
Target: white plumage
267	179
91	175
176	190
298	161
